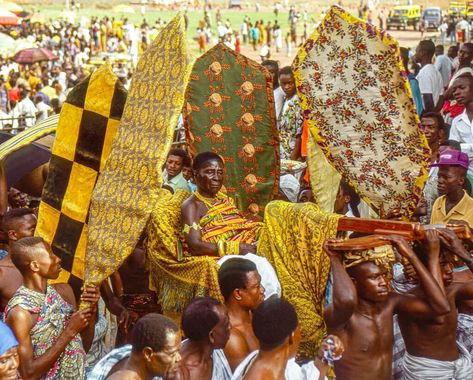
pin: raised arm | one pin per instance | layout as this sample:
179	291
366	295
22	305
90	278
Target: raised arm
434	302
454	245
338	313
32	368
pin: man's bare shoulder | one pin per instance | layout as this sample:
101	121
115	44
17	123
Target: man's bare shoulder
125	374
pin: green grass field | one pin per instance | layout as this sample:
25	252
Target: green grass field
234	15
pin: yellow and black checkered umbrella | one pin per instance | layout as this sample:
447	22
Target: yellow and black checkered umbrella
87	124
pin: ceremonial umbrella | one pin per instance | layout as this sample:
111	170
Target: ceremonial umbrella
8	18
11	7
123	8
32	55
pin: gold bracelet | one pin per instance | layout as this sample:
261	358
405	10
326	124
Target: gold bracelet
232	247
221	248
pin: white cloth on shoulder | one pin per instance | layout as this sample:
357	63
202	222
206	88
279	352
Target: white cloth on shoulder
293	370
465	331
415	368
221	368
269	279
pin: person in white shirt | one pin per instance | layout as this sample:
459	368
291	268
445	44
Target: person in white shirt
462	126
429	78
443	32
464	26
443	65
42	107
26	109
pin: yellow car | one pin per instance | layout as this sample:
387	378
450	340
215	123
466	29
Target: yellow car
402	16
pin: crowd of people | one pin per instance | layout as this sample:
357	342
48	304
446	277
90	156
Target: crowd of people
408	320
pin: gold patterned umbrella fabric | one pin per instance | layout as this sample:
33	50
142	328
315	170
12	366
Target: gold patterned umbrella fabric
356	97
128	188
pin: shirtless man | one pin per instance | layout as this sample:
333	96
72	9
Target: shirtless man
240	284
206	325
17	223
131	285
362	312
43	320
431	341
275	323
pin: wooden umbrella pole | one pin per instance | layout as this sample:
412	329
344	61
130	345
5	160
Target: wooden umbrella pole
410	230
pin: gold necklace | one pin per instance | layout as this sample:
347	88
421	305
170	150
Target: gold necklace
209	202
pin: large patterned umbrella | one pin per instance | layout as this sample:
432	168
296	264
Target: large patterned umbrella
32	55
8	18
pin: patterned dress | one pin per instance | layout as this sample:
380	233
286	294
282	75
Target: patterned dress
290	123
53	316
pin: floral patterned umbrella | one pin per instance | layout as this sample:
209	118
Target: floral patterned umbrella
356	96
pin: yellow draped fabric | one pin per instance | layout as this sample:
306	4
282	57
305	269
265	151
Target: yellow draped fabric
324	178
127	190
176	281
292	241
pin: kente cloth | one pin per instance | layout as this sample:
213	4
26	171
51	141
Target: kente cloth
356	96
223	221
24	152
292	241
53	316
230	111
465	331
127	189
177	276
416	368
87	124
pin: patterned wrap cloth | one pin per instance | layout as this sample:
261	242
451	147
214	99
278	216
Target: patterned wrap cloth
230	111
53	316
128	189
177	276
356	97
292	241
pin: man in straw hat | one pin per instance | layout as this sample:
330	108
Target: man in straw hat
362	310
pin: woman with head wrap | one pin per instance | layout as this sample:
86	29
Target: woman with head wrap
9	359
